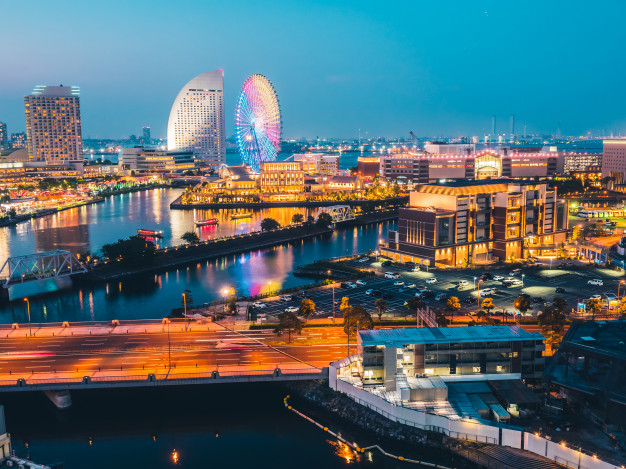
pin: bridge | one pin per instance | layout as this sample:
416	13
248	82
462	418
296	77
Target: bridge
32	267
338	213
59	357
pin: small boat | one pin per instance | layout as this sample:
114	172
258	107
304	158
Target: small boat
240	215
210	221
150	233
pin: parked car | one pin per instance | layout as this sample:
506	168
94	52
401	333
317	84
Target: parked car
259	304
469	299
487	291
538	299
431	280
286	298
515	272
595	297
462	283
498	278
369	291
411	285
352	285
391	275
428	294
559	290
596	281
398	283
441	297
360	282
486	276
345	285
292	309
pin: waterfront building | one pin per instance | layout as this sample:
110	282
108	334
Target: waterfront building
53	125
282	177
448	351
465	222
19	140
368	167
152	160
318	164
421	168
589	369
233	181
147	139
614	163
4	136
196	121
344	184
442	148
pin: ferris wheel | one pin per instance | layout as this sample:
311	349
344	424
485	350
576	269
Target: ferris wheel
257	122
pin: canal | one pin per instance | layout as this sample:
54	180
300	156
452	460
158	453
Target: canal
86	229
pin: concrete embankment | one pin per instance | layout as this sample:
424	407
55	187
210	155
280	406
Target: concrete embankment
177	205
180	256
48	211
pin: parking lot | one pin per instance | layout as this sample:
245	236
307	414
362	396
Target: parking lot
540	282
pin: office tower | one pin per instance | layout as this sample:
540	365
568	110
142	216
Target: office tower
493	125
4	137
18	140
196	120
53	125
512	124
147	140
614	162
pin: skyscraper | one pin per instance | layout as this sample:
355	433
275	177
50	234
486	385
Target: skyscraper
53	125
147	139
18	140
4	137
196	120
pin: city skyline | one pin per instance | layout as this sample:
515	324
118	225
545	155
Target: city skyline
343	68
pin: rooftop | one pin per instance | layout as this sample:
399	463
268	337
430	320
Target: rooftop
438	335
607	338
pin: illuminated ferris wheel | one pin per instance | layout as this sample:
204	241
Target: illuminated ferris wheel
257	122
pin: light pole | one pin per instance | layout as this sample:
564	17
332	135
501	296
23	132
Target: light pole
523	280
269	288
185	305
169	346
30	331
333	298
619	285
478	299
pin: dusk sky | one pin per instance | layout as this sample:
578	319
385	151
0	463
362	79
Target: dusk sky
437	68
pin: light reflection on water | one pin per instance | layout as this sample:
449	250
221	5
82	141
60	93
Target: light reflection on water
88	228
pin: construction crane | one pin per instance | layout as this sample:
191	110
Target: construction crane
419	147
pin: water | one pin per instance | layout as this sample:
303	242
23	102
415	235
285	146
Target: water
217	425
87	228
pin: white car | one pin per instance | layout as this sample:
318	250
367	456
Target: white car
596	281
487	291
398	283
365	259
411	285
286	298
441	297
595	297
292	309
360	282
462	283
352	285
498	278
369	291
515	272
259	304
431	280
391	275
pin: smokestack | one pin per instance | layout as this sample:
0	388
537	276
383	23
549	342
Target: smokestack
512	124
493	125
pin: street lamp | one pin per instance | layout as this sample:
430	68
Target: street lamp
619	285
224	293
269	288
523	275
478	298
30	332
333	298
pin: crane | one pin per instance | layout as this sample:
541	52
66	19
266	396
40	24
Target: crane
419	147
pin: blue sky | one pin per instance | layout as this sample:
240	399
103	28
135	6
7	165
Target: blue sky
438	68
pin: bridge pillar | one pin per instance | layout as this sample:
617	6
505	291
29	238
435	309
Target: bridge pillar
151	377
61	399
215	374
277	372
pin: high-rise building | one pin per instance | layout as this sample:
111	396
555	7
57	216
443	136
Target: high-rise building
196	120
53	125
614	162
18	140
4	137
147	139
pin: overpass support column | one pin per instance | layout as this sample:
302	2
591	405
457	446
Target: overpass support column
61	399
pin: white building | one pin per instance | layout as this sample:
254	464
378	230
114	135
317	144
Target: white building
196	120
318	163
614	161
53	125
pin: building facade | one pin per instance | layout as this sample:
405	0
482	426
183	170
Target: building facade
147	139
318	163
282	176
446	351
53	125
152	160
574	163
19	140
4	136
467	222
196	120
614	162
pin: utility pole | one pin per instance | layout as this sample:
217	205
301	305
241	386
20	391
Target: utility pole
169	346
30	331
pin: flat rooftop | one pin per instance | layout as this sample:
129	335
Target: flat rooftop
399	337
606	338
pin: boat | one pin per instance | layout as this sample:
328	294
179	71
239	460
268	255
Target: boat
207	222
240	215
150	233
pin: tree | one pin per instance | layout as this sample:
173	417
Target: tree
560	304
381	308
268	224
324	220
594	307
288	322
552	322
356	319
487	305
297	218
414	303
452	306
440	317
307	307
132	250
344	306
484	319
190	237
522	303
